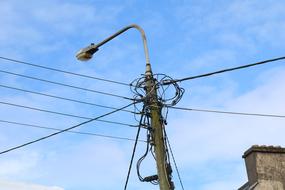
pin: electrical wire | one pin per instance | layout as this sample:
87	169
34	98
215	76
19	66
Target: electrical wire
64	130
63	71
173	158
134	150
64	114
148	147
223	71
228	112
167	165
62	98
163	99
65	85
75	132
140	84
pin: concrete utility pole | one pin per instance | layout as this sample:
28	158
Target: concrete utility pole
152	102
158	137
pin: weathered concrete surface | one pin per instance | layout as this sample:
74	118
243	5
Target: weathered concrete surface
265	167
269	185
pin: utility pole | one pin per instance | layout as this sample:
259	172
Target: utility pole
151	102
158	137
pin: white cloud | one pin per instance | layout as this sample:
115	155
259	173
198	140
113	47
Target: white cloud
19	165
8	185
247	27
237	131
44	27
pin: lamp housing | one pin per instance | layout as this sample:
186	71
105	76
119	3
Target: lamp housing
86	53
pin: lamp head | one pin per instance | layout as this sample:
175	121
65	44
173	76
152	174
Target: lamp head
86	53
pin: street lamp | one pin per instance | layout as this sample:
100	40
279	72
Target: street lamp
155	109
86	53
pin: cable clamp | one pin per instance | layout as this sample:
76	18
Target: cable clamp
150	178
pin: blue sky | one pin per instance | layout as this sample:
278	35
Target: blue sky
185	38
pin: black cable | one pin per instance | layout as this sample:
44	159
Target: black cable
134	150
63	98
228	112
64	130
148	145
65	85
63	71
64	114
173	158
223	71
75	132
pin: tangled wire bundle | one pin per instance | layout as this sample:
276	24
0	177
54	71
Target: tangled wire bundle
168	94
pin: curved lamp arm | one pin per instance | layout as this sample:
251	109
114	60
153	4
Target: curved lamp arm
86	53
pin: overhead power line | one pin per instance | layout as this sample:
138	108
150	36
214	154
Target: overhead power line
64	114
175	164
64	130
75	132
63	98
225	70
228	112
134	150
65	85
63	71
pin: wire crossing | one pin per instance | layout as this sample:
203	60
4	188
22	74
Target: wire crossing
65	85
227	112
75	132
63	98
64	130
224	70
63	71
64	114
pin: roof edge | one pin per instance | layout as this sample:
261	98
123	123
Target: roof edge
264	149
